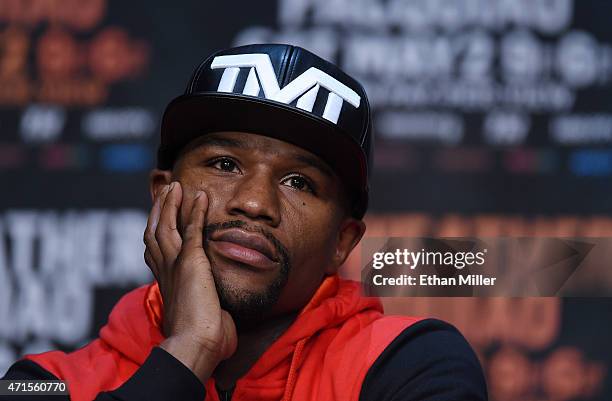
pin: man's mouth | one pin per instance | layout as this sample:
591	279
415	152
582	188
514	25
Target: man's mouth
245	247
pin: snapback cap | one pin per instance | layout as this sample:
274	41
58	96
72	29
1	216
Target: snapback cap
280	91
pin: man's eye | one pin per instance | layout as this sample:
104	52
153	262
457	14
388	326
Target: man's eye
225	164
299	183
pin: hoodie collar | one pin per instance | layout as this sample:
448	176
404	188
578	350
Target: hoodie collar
134	328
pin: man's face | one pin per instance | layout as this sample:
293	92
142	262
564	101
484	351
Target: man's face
275	223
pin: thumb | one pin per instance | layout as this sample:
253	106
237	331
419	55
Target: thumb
231	339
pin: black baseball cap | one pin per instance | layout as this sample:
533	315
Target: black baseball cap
280	91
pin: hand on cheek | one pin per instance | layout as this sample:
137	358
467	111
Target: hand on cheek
189	194
200	337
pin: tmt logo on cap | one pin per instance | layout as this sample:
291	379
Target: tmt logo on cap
304	88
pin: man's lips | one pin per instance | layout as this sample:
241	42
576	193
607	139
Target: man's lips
246	247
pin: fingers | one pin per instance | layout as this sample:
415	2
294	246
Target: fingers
193	257
153	255
167	234
195	227
150	261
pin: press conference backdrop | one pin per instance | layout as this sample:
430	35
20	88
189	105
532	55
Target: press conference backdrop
492	118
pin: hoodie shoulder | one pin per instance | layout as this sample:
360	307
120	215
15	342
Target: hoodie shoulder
106	362
429	360
342	356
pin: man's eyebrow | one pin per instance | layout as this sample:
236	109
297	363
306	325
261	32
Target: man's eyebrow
314	162
213	140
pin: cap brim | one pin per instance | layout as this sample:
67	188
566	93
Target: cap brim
190	116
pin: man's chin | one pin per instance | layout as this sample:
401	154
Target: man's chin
248	305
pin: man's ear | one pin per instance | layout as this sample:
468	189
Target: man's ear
157	179
351	231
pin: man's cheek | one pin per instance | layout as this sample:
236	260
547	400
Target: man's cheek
310	256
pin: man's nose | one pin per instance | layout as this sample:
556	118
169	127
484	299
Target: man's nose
255	196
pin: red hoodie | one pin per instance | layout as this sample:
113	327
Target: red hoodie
324	355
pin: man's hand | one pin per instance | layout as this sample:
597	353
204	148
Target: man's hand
199	333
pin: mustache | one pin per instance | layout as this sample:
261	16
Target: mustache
282	251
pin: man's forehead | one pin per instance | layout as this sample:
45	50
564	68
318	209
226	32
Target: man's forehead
249	141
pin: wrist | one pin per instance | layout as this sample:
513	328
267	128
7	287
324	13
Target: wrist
199	359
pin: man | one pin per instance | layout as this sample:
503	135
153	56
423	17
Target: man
258	199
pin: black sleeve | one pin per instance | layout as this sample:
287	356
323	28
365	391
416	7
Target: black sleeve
161	377
428	361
